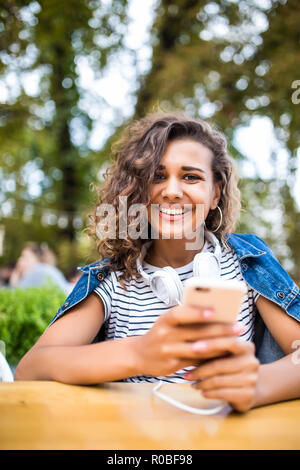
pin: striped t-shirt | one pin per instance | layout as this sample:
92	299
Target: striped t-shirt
134	312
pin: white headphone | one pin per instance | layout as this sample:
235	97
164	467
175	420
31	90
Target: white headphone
166	283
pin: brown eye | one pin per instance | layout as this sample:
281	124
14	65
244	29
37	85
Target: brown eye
157	176
194	177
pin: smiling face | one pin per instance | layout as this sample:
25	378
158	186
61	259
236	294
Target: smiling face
183	182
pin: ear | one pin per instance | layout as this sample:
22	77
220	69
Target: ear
217	196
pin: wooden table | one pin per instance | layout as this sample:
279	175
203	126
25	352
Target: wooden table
50	415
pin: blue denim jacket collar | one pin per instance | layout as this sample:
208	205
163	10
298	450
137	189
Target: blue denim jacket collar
242	247
93	266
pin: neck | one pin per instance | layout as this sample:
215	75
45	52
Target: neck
170	253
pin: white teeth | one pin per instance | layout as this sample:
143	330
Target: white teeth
171	211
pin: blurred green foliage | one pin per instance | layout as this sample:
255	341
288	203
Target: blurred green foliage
24	315
228	62
224	60
45	169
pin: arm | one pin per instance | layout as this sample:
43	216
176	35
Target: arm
64	353
284	329
279	380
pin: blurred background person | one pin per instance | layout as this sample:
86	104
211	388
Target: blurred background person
5	274
35	266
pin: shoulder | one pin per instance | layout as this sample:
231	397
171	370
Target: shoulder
249	238
92	276
97	266
252	237
250	243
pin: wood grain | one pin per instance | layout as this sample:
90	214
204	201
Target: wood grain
50	415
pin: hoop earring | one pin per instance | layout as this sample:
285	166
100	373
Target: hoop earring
220	223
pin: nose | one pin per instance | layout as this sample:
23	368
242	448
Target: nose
171	189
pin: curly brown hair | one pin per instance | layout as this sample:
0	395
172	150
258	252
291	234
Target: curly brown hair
136	157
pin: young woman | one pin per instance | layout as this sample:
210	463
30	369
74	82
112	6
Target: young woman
173	165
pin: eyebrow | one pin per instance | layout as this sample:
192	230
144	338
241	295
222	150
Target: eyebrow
184	168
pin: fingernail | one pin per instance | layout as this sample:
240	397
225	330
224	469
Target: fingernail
199	346
238	328
188	376
208	313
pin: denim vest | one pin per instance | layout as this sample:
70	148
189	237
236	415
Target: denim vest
259	268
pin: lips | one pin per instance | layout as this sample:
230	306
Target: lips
171	217
173	212
172	207
177	207
184	209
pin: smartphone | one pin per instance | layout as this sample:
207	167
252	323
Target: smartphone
224	296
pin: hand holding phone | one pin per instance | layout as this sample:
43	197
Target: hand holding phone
223	295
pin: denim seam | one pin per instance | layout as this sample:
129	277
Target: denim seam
267	297
257	249
292	294
267	274
251	255
75	303
88	285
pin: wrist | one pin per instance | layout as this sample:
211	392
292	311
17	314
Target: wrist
135	356
262	389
